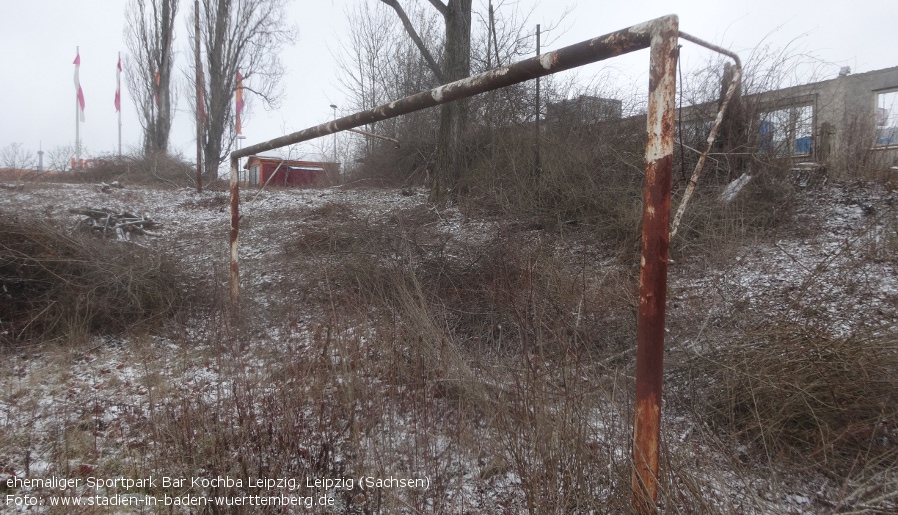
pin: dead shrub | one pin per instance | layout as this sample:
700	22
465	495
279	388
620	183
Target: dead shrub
501	294
791	391
56	284
158	169
251	430
384	165
586	175
513	294
713	226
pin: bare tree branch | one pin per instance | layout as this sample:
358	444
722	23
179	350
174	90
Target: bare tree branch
425	53
440	6
15	157
59	157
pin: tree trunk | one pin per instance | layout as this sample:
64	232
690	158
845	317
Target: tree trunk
454	116
163	121
221	83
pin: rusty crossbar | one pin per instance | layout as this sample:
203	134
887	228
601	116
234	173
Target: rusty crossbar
661	36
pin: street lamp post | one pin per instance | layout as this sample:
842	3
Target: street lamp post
334	107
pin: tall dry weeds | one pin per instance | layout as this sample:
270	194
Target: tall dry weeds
794	393
56	284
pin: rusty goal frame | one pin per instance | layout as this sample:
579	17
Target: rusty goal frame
661	37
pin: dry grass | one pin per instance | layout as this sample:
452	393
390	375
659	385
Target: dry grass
492	346
161	170
796	393
59	285
492	355
711	227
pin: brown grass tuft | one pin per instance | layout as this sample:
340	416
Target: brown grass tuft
792	391
56	284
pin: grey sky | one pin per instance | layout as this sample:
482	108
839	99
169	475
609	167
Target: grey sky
38	40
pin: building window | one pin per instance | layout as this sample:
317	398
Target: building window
787	132
254	174
886	119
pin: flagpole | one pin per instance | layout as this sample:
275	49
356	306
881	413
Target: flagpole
77	119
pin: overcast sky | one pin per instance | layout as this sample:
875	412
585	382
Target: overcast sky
38	39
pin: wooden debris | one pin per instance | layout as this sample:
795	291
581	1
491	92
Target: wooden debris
119	225
106	188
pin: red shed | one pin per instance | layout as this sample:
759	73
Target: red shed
286	172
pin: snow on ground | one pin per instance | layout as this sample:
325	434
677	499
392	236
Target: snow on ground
838	275
837	267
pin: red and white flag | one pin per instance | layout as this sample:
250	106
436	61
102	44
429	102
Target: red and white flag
78	90
118	84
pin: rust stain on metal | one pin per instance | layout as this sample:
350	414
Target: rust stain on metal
653	265
644	476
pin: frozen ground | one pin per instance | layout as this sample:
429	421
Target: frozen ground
95	404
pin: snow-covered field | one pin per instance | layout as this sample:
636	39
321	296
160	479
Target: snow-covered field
303	388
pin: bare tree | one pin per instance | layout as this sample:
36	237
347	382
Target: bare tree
15	157
382	60
367	55
380	63
454	65
244	36
149	36
501	36
59	158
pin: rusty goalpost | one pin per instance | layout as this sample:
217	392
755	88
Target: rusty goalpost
661	36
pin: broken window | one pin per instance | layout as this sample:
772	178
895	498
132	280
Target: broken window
787	132
886	119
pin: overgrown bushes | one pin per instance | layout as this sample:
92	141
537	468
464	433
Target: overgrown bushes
509	287
56	284
493	356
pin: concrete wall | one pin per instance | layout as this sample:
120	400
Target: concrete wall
843	133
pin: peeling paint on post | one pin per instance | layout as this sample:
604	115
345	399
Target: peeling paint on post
653	264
